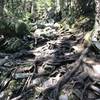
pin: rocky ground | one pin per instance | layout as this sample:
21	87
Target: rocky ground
56	66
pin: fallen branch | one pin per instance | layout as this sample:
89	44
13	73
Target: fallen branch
4	84
21	96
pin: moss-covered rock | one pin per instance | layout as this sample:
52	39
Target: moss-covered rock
87	37
21	29
95	42
13	28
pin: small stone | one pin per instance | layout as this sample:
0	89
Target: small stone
1	94
63	97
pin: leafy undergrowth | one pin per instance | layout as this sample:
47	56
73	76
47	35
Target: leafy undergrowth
56	66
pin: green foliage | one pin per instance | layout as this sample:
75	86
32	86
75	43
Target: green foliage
44	4
6	27
3	25
16	18
71	21
14	8
13	44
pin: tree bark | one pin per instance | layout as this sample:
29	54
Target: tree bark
1	8
97	20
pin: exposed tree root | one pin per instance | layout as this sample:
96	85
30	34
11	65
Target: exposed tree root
55	90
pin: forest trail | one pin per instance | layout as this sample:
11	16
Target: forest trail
59	66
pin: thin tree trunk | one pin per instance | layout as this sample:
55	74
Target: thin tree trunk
1	8
57	4
34	7
97	20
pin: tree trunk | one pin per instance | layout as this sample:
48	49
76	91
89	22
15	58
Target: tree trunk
57	5
34	7
1	8
97	21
